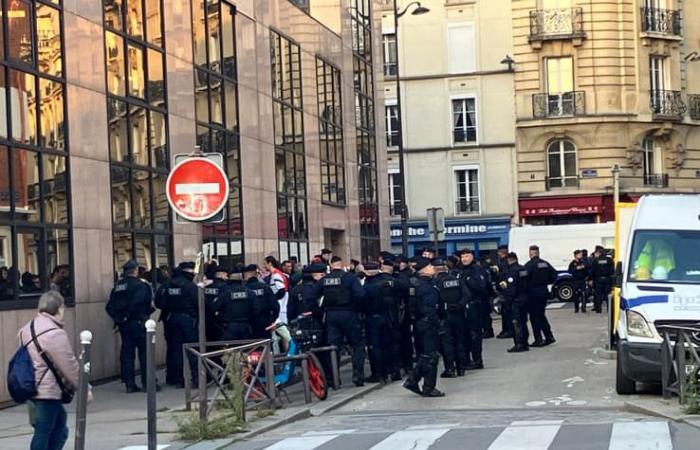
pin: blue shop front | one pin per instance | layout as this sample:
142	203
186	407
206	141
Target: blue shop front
481	235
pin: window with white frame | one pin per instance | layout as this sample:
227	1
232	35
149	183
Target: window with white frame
466	190
389	47
392	125
561	164
560	86
461	56
657	82
394	192
464	120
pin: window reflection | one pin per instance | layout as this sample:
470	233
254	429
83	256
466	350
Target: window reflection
154	22
19	27
48	28
116	83
137	79
51	114
113	13
55	193
134	18
23	106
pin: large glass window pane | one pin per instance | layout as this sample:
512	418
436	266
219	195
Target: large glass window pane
570	164
134	18
55	183
118	140
116	72
159	151
228	41
201	92
51	114
139	136
231	102
213	34
199	33
19	26
234	209
5	192
142	251
23	107
29	244
162	262
58	263
137	78
142	199
156	83
121	244
216	99
121	197
113	14
161	214
48	29
154	22
25	171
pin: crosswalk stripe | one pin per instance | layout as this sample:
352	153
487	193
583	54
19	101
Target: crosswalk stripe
530	435
413	439
302	443
641	436
556	305
328	432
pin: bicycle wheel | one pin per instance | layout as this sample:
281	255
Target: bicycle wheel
317	378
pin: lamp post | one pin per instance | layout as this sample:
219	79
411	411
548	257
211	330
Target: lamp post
420	9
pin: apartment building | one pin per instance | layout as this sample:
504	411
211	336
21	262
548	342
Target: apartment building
603	86
458	119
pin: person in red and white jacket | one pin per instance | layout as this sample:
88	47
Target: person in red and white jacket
279	283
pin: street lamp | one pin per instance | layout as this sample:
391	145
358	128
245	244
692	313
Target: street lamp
419	10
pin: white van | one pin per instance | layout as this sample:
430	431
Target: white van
659	280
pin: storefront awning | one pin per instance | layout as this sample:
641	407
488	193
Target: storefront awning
561	206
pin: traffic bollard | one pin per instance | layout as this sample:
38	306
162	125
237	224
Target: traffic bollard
83	386
151	383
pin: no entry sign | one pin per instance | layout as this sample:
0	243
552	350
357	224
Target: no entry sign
197	187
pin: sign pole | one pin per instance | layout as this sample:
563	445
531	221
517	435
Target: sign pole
201	371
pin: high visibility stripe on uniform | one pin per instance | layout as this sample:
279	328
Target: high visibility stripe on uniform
529	435
641	436
303	442
413	439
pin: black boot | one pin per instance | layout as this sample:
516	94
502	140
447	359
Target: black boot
518	349
132	388
396	376
504	335
434	393
460	372
447	374
476	365
430	375
538	343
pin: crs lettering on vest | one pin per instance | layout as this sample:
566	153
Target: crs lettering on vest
412	291
332	281
542	265
451	284
239	295
603	262
259	292
174	291
120	287
211	291
522	273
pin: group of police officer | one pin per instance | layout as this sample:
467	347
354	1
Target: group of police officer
404	312
596	272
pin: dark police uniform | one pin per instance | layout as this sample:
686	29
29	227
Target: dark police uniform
342	299
426	332
407	294
234	312
178	298
454	297
304	298
211	300
515	294
579	273
138	295
540	275
381	304
602	270
473	277
506	312
266	308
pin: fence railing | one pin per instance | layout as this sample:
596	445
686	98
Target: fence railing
680	361
556	23
659	180
667	104
565	104
663	21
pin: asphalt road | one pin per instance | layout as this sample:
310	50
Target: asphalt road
559	397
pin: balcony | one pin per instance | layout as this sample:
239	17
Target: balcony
553	24
667	105
658	180
566	104
665	22
467	206
694	106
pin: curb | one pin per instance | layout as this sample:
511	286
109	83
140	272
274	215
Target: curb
693	421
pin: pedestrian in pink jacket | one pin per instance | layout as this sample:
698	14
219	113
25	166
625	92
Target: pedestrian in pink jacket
50	427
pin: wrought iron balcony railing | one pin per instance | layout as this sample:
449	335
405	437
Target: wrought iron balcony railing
694	106
659	180
566	104
556	24
561	182
662	21
467	206
667	105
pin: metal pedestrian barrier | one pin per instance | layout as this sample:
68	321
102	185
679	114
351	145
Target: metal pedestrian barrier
246	357
680	361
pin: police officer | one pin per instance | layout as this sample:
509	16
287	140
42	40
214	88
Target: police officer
426	326
343	297
540	275
304	298
219	277
178	299
403	275
514	288
602	270
578	268
130	306
266	309
234	310
473	277
499	271
454	297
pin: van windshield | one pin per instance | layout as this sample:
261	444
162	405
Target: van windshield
666	256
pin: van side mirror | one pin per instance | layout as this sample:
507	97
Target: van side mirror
618	275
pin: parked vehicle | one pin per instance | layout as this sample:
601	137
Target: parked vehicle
659	282
557	244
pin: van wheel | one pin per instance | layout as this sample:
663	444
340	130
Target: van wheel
624	385
565	292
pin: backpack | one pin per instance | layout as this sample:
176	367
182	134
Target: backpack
20	374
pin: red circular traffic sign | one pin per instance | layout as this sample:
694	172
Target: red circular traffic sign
197	189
